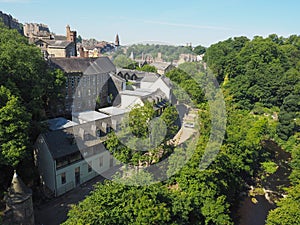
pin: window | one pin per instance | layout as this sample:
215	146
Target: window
101	161
90	166
63	178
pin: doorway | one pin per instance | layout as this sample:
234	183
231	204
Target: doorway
77	176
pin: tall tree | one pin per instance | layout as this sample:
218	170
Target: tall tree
14	126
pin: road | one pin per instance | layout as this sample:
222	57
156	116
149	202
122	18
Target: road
55	211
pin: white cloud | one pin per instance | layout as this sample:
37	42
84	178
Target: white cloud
187	25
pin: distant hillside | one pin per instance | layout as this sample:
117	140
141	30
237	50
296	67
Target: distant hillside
169	52
11	22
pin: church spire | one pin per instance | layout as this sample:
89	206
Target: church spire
117	41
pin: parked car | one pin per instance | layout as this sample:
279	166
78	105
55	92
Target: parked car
189	124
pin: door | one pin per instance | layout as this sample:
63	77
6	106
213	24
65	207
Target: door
111	161
77	176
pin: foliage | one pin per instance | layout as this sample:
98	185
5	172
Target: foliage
123	62
115	203
262	76
269	167
14	125
186	82
28	88
79	39
262	71
199	50
143	137
147	68
169	52
288	209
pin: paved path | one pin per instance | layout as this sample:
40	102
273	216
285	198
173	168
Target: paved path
186	132
55	211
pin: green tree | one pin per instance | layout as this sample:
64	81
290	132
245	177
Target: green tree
288	209
79	39
147	68
115	203
199	50
14	126
123	62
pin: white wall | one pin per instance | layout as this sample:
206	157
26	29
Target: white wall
159	83
45	163
145	85
84	174
127	100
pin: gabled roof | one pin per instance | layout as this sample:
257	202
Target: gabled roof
150	77
60	37
58	43
59	123
67	141
161	65
84	65
60	143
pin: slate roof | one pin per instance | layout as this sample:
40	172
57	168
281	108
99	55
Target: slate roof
59	123
60	37
144	93
167	81
150	77
161	65
84	65
112	110
58	43
65	142
59	143
90	115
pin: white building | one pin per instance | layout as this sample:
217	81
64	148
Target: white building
68	157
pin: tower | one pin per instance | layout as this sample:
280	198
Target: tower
117	41
72	36
19	207
68	31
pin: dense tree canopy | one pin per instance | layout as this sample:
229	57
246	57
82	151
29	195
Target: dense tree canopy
169	52
122	61
14	125
199	50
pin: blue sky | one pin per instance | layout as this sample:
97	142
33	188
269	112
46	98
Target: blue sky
172	22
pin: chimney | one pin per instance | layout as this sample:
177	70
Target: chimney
81	51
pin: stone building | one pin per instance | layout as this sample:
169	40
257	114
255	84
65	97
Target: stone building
89	81
162	67
52	46
19	207
36	30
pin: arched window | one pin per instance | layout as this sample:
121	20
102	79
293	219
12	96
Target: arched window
133	77
120	74
126	76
